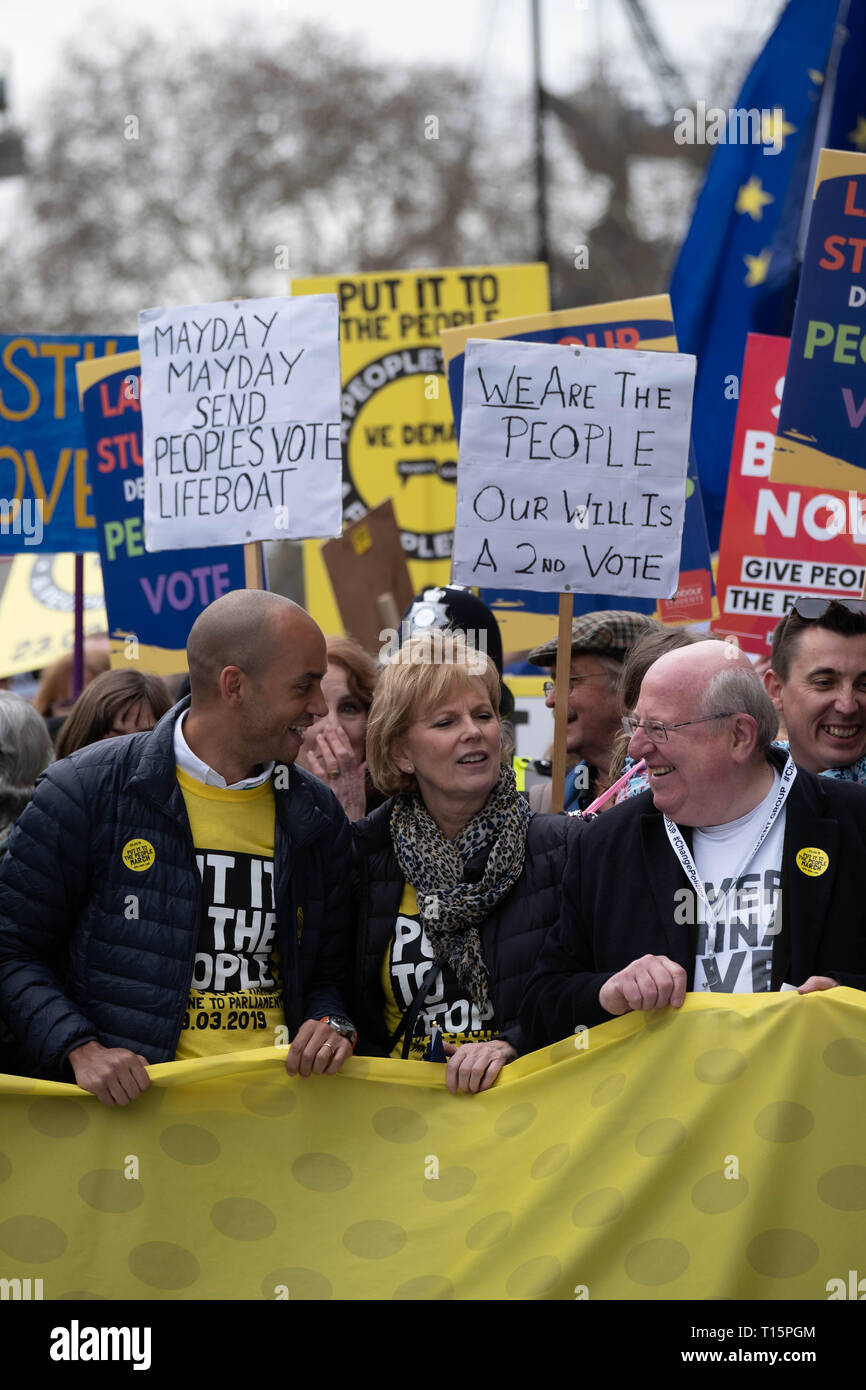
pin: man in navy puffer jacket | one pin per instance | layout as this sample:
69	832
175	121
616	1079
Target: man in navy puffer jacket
108	888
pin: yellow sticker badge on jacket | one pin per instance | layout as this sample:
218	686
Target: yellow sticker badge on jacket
812	862
138	854
300	922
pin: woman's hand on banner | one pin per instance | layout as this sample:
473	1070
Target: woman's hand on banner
475	1066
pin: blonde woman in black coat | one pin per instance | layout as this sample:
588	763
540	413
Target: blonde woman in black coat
457	879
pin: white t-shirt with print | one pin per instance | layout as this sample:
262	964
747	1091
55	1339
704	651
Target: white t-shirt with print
735	951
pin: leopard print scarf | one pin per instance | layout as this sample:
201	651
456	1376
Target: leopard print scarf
451	909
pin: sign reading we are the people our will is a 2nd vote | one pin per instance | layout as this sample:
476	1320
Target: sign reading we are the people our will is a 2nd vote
240	409
572	471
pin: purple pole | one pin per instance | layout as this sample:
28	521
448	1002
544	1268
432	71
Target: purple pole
78	652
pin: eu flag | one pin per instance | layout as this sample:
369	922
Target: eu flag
751	198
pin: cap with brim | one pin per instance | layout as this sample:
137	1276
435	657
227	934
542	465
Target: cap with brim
609	633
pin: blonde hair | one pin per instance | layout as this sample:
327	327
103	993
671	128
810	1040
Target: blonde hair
416	679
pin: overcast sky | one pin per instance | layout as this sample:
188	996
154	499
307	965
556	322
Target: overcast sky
471	33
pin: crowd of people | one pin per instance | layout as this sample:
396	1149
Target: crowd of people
313	850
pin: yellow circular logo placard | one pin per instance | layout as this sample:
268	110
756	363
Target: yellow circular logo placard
812	862
140	854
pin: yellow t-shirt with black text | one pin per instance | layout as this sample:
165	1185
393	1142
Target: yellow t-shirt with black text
405	963
236	1001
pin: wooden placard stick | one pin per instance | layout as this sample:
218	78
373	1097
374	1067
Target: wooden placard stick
563	688
253	573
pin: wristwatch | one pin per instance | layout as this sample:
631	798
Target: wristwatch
342	1025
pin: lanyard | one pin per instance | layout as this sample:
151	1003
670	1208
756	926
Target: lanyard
683	853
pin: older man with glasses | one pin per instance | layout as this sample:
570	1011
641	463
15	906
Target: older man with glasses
737	872
817	681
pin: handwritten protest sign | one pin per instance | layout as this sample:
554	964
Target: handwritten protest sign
572	468
44	492
527	618
778	541
152	600
241	422
822	425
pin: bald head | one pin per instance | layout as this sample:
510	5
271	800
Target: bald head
713	678
247	628
698	664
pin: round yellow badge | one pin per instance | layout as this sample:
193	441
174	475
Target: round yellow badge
138	854
812	862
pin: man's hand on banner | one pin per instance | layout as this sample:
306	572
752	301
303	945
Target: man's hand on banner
317	1049
113	1074
652	982
817	982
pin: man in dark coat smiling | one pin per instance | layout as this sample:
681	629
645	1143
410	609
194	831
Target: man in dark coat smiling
738	872
156	878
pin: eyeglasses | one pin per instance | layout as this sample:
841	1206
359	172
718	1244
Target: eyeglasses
812	608
657	732
574	682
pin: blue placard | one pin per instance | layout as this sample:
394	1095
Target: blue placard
152	599
45	501
821	439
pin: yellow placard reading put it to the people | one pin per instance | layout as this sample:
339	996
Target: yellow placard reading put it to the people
398	434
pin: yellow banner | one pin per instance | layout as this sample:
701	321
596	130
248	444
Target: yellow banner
399	440
718	1152
37	610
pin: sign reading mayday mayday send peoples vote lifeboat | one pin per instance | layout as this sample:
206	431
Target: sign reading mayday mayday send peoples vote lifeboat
153	600
241	421
572	468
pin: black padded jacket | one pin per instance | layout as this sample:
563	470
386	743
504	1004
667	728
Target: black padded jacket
93	949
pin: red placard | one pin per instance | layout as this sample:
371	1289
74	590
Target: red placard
778	541
691	600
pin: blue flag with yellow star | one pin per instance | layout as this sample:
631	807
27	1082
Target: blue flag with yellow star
753	191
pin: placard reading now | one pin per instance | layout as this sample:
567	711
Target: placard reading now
241	421
572	472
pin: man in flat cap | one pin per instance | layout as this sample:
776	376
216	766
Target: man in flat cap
600	643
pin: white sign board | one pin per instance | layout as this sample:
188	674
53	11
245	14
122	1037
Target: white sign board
240	406
572	471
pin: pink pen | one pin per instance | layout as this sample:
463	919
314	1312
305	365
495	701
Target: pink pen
612	791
